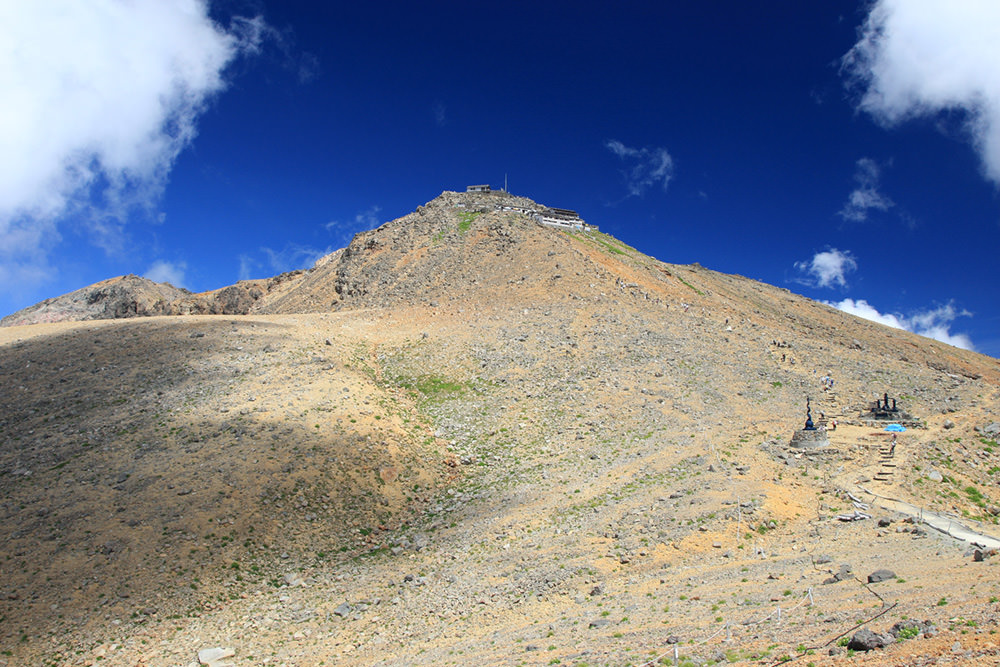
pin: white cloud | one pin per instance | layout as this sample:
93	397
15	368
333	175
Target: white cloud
296	256
646	167
99	98
933	323
864	310
865	195
362	222
248	267
923	57
828	268
163	271
292	257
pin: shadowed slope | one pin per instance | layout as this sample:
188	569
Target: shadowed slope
148	467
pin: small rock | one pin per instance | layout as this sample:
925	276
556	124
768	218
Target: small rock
881	575
342	610
599	623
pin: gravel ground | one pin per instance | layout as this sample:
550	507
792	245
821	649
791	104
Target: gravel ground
589	469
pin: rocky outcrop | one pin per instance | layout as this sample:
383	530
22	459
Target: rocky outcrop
133	296
121	297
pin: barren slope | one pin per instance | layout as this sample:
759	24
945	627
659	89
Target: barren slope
511	446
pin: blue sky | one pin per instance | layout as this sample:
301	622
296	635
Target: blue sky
849	151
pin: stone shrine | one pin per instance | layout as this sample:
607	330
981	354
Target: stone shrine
885	410
809	437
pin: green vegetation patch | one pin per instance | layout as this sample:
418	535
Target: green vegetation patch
432	386
610	247
700	293
604	242
465	219
975	495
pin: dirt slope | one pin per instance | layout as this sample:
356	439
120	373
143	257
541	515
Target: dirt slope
512	445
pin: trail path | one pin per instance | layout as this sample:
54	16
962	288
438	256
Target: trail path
945	524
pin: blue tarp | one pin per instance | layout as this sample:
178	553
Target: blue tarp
895	428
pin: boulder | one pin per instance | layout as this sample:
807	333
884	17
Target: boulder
881	575
866	640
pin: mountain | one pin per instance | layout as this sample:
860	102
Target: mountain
133	296
471	437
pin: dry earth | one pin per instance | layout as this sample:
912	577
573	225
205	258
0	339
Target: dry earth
506	445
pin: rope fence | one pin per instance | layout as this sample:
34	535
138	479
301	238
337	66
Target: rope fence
777	615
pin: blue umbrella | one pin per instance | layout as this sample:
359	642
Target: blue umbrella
895	428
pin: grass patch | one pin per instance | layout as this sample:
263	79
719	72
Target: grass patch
606	243
465	219
700	293
974	495
431	386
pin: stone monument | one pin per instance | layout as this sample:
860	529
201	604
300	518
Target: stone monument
809	437
884	410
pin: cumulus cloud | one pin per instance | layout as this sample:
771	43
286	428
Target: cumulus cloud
645	167
828	268
866	195
923	57
933	323
163	271
99	99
